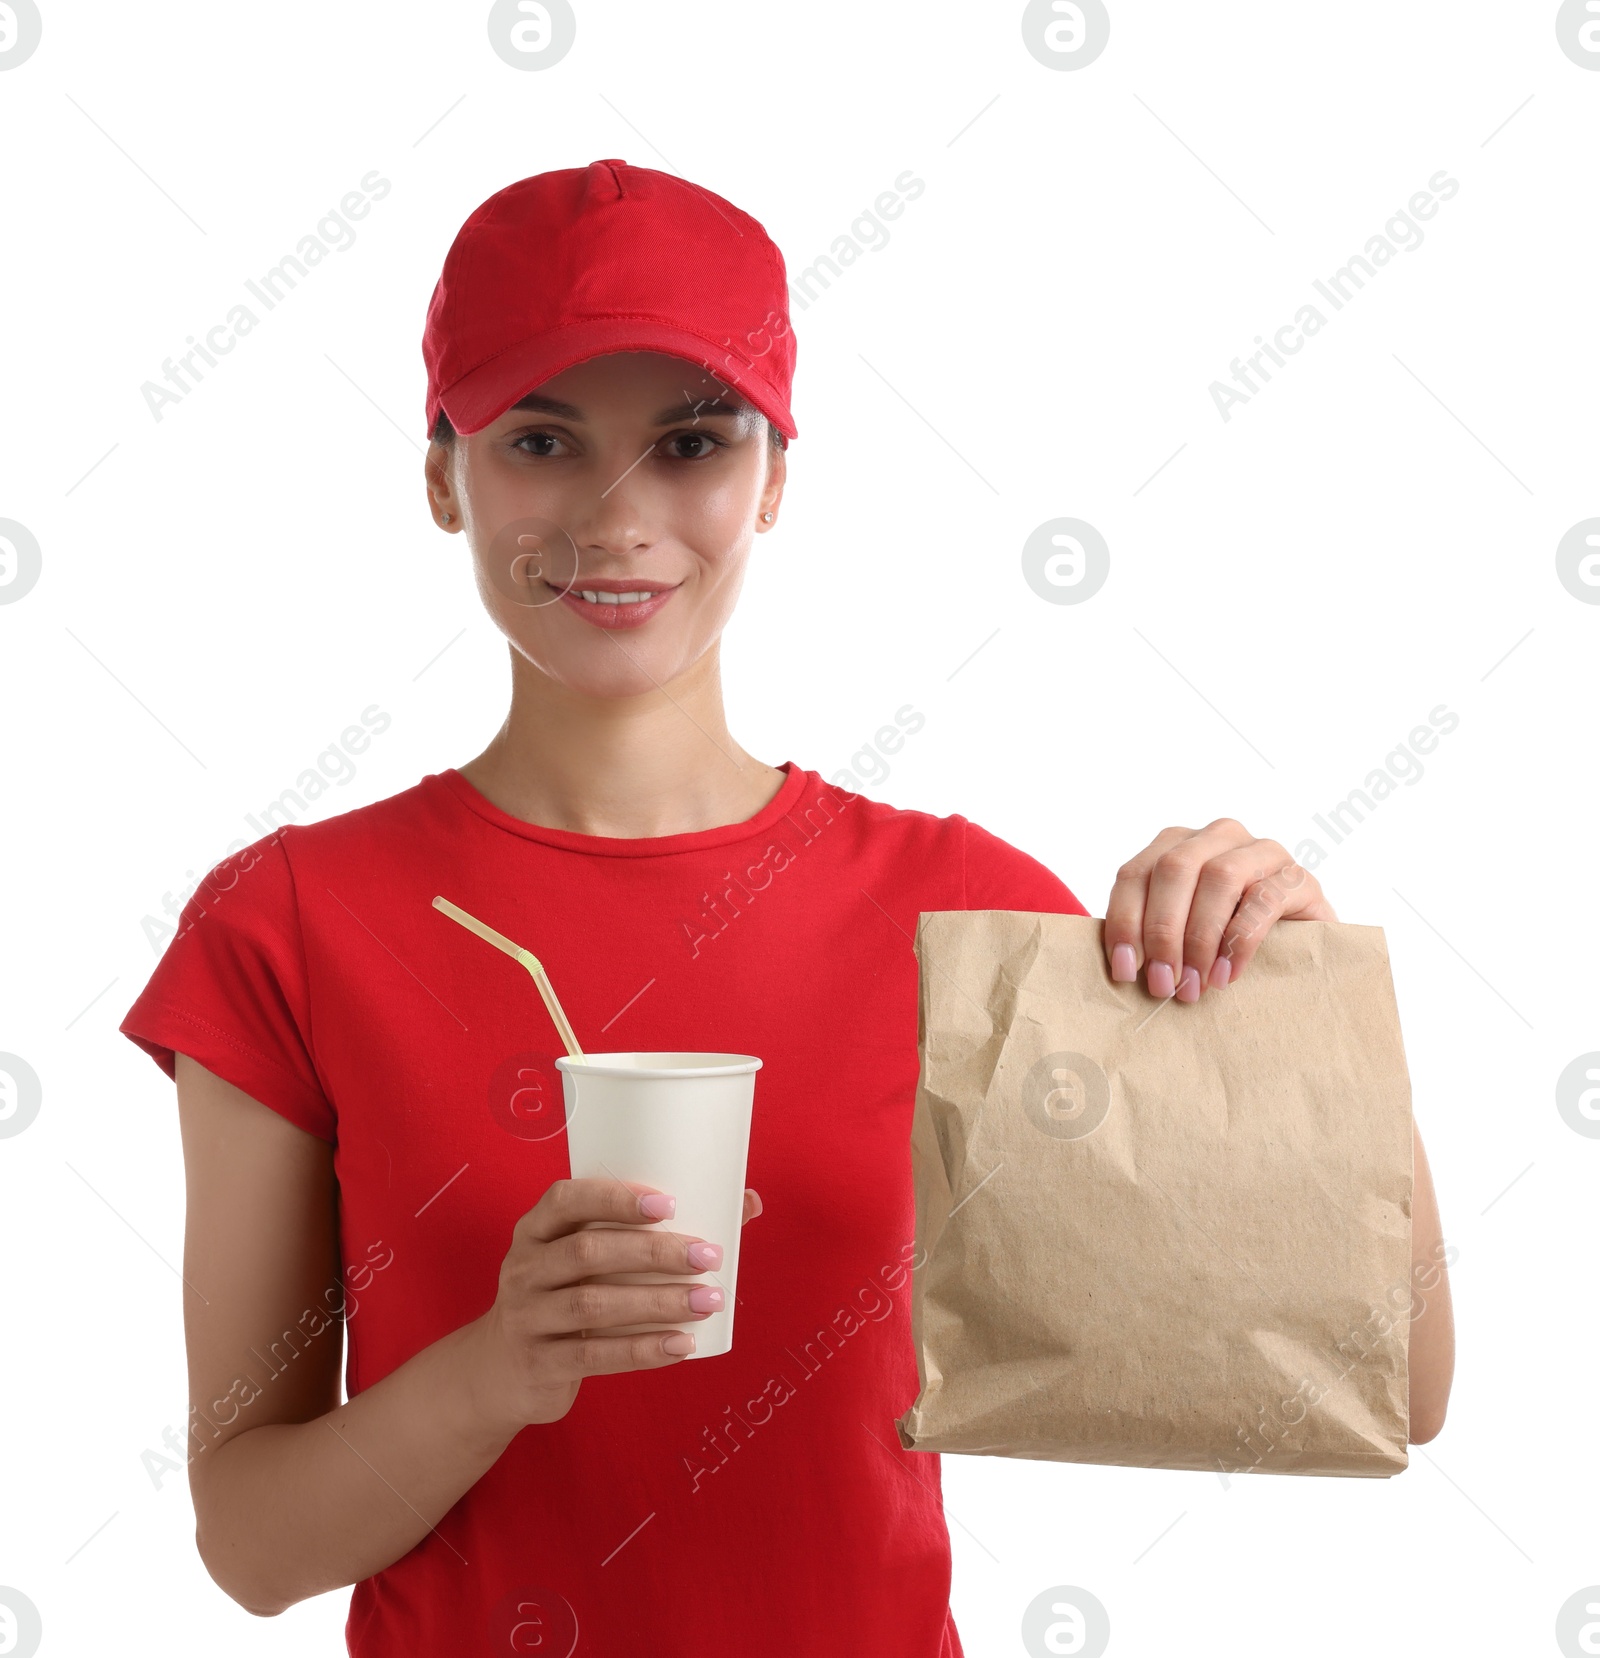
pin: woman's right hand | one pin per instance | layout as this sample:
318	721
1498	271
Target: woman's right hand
532	1352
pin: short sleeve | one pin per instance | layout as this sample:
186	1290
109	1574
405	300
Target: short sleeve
231	991
999	877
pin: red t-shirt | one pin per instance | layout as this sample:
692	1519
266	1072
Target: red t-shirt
758	1501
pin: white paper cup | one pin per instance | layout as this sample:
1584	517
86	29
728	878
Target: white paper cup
679	1123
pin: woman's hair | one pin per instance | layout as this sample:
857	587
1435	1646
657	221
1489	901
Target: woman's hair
444	432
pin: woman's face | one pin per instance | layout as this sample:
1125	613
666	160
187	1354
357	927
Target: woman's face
632	474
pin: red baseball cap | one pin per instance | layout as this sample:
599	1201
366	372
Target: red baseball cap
573	264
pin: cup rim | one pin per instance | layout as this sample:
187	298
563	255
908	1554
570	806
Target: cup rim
723	1065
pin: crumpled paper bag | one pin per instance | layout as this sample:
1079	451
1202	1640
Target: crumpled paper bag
1160	1234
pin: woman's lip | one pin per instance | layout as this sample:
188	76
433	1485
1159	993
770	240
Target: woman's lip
617	615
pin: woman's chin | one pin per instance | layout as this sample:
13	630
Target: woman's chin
612	669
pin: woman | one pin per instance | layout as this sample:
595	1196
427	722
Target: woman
369	1108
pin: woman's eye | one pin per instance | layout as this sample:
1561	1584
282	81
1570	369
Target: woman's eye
543	445
683	446
690	446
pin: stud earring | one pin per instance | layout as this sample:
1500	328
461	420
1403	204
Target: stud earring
766	518
446	518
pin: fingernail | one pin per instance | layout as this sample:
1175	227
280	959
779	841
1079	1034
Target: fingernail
1221	972
657	1205
1189	986
1124	964
1158	976
704	1299
679	1343
705	1257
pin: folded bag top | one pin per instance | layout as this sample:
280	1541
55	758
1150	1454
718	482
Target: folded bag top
1160	1234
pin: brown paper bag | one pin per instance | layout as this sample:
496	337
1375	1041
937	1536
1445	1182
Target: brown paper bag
1160	1234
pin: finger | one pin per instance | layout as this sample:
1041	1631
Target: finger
1219	892
569	1204
576	1357
1124	928
1260	905
596	1307
1304	899
752	1206
595	1251
1173	878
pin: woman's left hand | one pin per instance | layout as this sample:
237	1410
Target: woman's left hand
1191	908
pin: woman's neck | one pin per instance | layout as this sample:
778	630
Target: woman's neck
631	767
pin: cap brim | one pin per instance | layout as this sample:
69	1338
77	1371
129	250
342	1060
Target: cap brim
484	394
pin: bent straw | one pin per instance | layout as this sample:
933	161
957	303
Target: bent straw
534	966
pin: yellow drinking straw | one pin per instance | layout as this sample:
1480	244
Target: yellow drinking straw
528	960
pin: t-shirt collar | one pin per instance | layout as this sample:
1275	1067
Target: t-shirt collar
609	846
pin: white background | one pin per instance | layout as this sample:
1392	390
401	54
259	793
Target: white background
1290	592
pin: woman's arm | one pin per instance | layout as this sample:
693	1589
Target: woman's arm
1433	1331
296	1494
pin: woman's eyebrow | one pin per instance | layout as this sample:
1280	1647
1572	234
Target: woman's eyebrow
693	409
549	405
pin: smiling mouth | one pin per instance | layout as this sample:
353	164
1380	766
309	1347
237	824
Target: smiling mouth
619	603
620	593
598	596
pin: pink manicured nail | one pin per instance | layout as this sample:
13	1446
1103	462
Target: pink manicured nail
704	1299
658	1206
1158	976
1124	964
1221	972
1189	986
705	1257
678	1343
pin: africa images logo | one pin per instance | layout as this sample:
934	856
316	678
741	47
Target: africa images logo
333	233
1401	234
720	909
20	558
21	29
1066	1095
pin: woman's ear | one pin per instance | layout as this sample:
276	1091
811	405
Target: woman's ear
441	493
772	491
